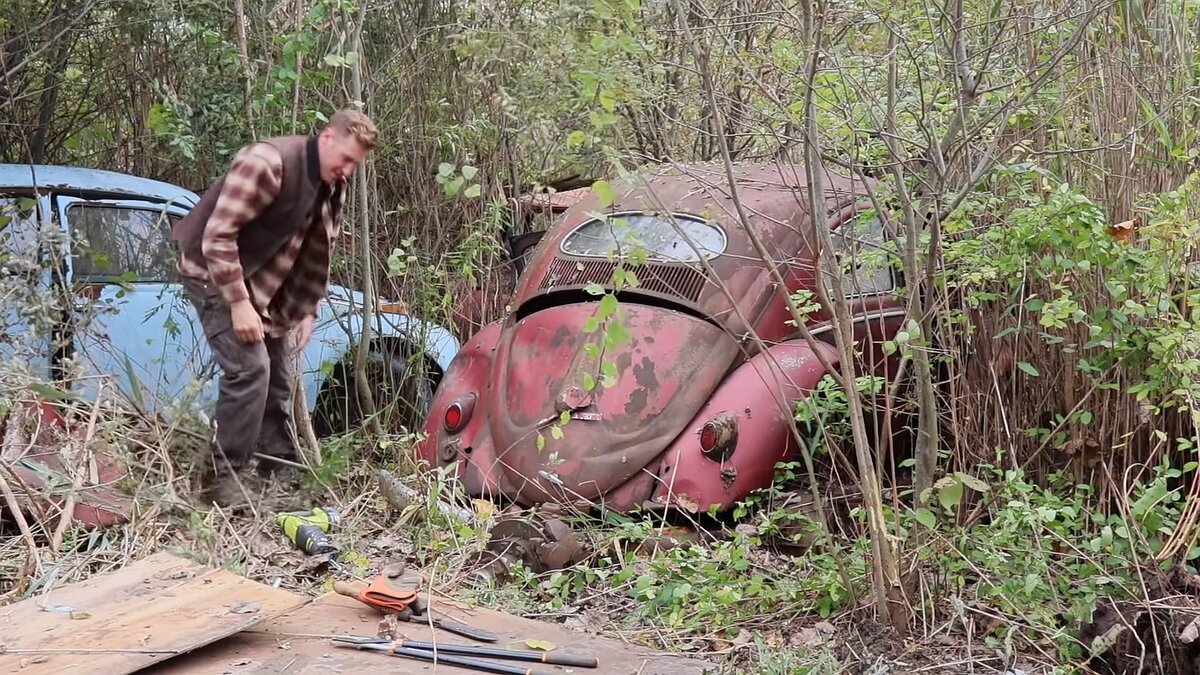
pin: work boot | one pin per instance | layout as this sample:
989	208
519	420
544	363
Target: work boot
266	468
226	492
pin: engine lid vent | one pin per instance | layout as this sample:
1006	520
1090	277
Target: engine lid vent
681	281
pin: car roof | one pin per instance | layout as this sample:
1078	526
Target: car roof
80	179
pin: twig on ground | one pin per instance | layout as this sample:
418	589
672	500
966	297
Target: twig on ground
280	460
78	467
229	524
13	506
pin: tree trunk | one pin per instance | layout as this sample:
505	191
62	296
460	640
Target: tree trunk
366	400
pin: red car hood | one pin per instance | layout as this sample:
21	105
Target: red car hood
665	373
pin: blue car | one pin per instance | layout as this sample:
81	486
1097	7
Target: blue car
93	249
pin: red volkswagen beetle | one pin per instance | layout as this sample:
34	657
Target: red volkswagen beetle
700	408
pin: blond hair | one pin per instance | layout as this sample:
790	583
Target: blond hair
355	123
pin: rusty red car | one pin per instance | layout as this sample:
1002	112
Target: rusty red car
701	406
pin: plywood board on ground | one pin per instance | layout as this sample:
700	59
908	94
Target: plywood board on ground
126	620
298	644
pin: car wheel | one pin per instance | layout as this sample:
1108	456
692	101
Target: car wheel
401	387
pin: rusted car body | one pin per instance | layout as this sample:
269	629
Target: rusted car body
700	410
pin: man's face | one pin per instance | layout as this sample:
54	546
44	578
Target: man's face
340	153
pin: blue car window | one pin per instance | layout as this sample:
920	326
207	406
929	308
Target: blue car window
18	229
121	241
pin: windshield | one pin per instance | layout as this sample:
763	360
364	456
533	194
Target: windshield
663	238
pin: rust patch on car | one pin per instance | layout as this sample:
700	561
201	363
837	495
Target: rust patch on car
562	335
644	375
728	476
687	503
637	401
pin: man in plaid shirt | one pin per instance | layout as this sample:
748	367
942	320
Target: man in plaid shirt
254	261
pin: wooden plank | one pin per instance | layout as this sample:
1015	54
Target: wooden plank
139	615
298	644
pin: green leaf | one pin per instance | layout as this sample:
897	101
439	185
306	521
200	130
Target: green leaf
594	289
46	391
1028	369
972	482
445	169
604	193
631	278
601	119
589	382
618	333
473	191
454	185
469	171
608	305
951	495
926	518
556	432
541	442
543	645
591	325
576	138
564	417
608	369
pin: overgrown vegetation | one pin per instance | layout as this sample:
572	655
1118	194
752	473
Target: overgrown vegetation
1038	504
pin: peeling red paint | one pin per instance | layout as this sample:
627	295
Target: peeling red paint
688	360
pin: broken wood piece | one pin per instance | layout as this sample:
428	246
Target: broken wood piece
126	620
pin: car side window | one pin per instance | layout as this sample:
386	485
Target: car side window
866	266
18	231
121	241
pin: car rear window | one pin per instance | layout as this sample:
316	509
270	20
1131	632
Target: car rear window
663	238
860	245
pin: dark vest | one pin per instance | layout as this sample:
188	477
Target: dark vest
291	212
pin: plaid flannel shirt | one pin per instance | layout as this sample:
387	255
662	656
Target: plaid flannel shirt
293	282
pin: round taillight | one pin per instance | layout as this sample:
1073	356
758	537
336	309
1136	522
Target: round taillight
458	413
718	437
453	417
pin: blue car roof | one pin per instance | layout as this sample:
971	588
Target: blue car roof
79	179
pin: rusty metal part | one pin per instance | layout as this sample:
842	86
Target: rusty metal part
400	496
804	527
668	539
538	543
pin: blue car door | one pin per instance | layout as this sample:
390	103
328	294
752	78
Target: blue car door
133	326
27	321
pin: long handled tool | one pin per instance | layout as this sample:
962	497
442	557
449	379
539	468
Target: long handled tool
389	647
497	653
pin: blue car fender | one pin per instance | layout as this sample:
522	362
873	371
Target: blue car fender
339	327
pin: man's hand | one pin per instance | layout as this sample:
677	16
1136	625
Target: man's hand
247	324
304	333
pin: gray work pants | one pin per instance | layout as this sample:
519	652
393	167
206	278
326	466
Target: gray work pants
253	404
